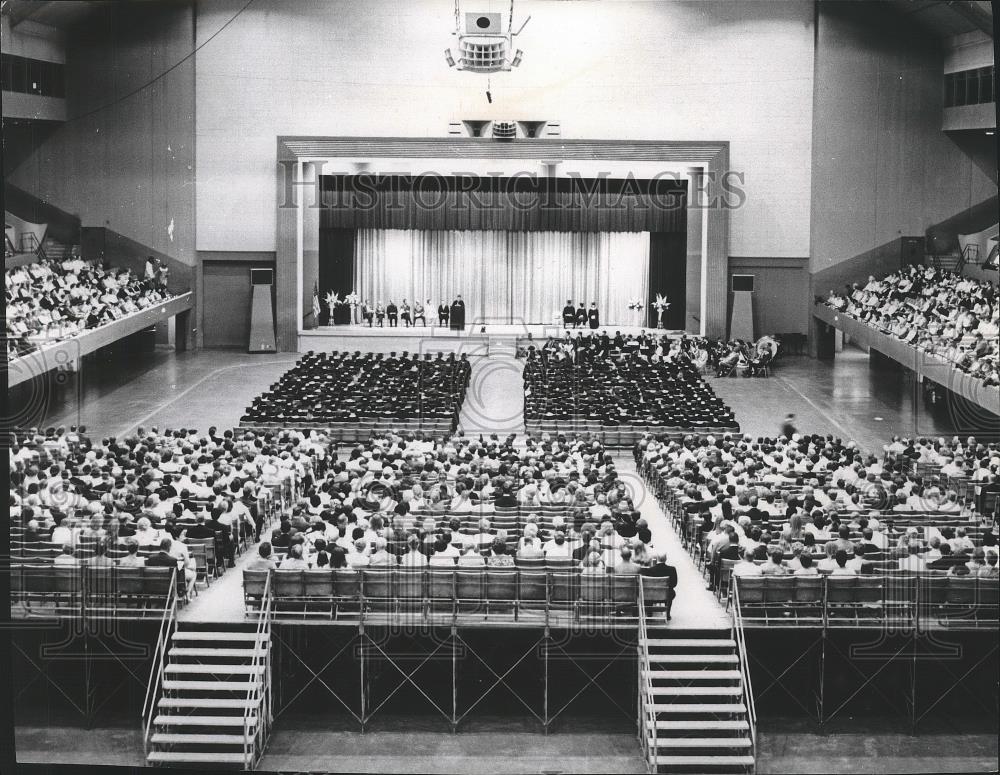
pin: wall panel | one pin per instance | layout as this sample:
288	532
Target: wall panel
679	71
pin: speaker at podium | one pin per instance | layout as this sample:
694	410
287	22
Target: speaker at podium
262	311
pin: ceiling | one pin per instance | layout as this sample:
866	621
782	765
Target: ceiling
946	18
61	14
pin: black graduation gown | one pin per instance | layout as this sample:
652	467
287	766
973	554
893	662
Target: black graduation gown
594	317
568	315
458	315
581	316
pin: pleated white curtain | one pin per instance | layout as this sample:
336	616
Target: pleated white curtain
505	276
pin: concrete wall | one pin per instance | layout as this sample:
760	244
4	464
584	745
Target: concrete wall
708	70
882	167
968	52
32	41
781	293
124	159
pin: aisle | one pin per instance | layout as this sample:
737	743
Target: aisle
494	402
695	606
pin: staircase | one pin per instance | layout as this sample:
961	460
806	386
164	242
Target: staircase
56	251
696	705
212	690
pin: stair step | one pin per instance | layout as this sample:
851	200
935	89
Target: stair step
195	758
196	651
210	686
693	658
203	721
667	726
691	708
699	675
691	643
219	636
206	702
697	691
711	761
701	742
215	669
178	738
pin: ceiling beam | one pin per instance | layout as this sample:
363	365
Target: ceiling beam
975	13
23	11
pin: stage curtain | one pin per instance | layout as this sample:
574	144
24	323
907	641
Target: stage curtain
506	276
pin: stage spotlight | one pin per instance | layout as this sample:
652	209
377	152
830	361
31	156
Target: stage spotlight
449	58
518	55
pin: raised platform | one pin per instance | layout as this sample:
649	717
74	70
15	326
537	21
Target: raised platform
67	352
471	340
923	364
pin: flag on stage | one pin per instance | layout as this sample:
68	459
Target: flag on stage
316	302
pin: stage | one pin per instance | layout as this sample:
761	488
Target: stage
472	340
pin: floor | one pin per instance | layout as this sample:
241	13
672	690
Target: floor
855	746
851	398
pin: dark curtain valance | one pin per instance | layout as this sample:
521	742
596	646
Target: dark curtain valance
523	203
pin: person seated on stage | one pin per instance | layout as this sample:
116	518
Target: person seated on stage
379	314
593	316
367	313
392	312
443	312
569	314
404	313
581	316
418	313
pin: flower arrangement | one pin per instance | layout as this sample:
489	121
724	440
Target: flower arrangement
661	305
353	298
333	300
635	304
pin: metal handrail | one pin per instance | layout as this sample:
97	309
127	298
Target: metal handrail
260	659
645	684
741	647
167	624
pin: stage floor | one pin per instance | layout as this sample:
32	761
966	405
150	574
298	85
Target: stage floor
472	340
536	330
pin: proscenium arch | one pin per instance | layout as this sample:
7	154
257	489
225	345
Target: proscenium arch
705	165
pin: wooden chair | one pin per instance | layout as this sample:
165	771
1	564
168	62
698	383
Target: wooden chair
288	589
318	587
156	584
254	582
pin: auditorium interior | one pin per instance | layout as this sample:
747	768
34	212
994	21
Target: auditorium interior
503	386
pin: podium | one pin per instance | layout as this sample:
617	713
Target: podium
262	311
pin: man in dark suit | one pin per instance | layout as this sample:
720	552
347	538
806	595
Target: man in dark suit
568	313
947	559
660	569
392	312
199	529
164	559
731	551
443	312
581	316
